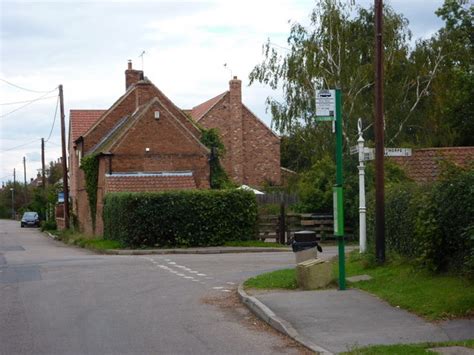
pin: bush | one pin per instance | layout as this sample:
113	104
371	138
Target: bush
180	218
432	224
48	225
445	224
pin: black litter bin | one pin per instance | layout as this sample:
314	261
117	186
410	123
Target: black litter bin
305	240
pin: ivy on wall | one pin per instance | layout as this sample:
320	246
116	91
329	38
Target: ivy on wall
90	166
219	178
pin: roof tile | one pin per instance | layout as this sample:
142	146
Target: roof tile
424	164
134	183
82	120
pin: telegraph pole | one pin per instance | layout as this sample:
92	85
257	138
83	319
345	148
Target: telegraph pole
24	178
64	161
43	177
13	193
379	137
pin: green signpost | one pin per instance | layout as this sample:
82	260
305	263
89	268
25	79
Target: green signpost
329	108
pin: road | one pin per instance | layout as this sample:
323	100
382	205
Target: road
57	299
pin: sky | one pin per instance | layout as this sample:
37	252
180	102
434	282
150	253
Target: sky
85	46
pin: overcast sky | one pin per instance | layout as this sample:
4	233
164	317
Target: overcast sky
85	46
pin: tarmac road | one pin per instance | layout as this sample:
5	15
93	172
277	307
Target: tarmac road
57	299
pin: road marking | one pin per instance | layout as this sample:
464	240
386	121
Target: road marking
201	274
171	263
194	272
218	287
225	290
230	283
188	277
179	274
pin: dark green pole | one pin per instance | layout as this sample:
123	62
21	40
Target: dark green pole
338	194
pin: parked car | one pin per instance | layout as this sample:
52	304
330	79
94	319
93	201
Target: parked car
30	219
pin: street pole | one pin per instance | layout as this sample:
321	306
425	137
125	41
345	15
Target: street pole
379	137
24	178
64	161
362	207
338	194
43	176
13	202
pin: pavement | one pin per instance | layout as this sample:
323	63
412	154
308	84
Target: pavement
333	321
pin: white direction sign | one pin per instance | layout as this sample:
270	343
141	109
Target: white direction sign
326	104
397	152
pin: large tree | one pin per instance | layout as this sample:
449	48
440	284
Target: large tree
337	50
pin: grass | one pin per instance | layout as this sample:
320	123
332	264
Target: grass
280	279
412	349
253	243
86	241
401	284
434	297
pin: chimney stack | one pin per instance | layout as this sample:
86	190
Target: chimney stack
132	76
236	122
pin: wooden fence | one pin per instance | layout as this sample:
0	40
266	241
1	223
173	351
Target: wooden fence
282	227
277	198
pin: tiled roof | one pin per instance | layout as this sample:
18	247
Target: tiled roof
82	120
199	111
148	182
423	166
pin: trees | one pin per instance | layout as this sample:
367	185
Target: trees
336	50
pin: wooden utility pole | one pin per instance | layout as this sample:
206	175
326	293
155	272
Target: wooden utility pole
24	178
43	176
379	137
64	161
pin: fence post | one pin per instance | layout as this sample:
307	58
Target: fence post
282	227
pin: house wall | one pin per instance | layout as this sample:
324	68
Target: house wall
252	150
261	152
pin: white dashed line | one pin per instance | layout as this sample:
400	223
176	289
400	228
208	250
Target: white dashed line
171	263
230	283
217	288
225	290
201	274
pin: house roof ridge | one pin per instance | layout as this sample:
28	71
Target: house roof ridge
261	122
211	102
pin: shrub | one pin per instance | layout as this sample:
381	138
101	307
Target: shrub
48	225
180	218
444	226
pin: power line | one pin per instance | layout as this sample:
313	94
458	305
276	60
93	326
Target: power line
25	101
29	103
54	120
22	88
19	146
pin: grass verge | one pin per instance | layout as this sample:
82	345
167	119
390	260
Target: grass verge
400	349
280	279
88	242
434	297
253	243
401	284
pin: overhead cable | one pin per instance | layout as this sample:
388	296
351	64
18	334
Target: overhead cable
29	103
54	120
25	101
22	88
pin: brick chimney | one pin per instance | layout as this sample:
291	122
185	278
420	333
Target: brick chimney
132	76
236	130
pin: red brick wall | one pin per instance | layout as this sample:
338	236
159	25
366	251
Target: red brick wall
125	107
260	151
170	148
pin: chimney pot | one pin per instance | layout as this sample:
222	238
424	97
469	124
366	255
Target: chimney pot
235	77
129	64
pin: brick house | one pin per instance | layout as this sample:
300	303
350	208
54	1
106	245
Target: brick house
424	165
144	142
252	149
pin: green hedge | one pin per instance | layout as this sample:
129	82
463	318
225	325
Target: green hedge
180	218
433	224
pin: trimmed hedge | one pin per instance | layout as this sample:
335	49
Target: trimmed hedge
433	224
180	218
